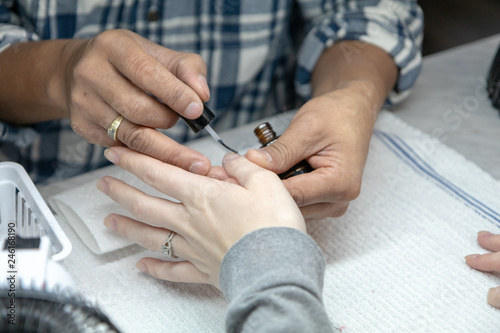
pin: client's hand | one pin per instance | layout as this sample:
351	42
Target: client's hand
489	262
211	217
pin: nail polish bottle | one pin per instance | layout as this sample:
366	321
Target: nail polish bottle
267	136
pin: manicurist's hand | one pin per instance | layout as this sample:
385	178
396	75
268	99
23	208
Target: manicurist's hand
489	262
93	81
211	217
332	131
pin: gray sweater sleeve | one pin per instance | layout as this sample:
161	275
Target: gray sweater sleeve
273	280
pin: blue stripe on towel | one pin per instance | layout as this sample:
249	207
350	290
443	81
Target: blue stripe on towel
412	159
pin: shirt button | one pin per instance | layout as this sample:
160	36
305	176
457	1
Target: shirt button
153	14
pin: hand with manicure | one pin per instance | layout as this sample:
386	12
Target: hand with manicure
212	214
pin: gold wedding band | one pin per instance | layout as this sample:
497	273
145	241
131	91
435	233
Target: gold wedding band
113	128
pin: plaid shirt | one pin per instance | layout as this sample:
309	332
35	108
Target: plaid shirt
259	54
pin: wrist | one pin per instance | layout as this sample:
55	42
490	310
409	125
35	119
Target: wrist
365	91
354	99
59	79
371	72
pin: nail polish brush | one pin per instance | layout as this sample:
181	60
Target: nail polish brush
202	122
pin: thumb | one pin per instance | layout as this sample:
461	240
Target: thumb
282	154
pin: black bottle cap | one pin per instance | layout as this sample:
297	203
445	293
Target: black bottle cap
199	123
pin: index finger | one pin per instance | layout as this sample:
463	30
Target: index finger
150	75
149	141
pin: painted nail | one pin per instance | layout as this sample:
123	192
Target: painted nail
111	156
471	256
141	266
494	297
110	223
194	110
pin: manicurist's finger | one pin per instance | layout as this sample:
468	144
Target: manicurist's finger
155	144
489	262
188	67
150	75
133	103
182	271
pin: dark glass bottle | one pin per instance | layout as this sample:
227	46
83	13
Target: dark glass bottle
267	136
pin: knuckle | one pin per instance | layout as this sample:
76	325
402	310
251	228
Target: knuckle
338	211
204	195
350	190
134	108
105	38
263	176
175	95
152	176
283	151
95	136
187	60
353	191
172	155
138	209
149	242
144	66
298	195
138	139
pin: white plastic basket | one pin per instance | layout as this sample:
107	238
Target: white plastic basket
23	209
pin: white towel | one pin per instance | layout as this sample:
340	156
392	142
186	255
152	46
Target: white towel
394	261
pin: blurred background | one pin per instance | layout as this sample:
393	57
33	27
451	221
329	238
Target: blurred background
449	23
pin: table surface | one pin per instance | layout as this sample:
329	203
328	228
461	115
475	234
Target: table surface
449	98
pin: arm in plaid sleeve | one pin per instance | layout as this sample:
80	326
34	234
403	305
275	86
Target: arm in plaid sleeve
12	32
394	26
356	56
11	29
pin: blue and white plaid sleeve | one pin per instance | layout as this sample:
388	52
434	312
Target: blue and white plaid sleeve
11	32
12	29
396	26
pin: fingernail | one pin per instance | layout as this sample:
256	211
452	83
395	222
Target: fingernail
194	110
471	256
204	84
102	185
231	156
494	297
198	168
484	234
111	156
110	223
141	266
265	155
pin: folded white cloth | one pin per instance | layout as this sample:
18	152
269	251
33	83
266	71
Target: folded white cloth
86	207
394	260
